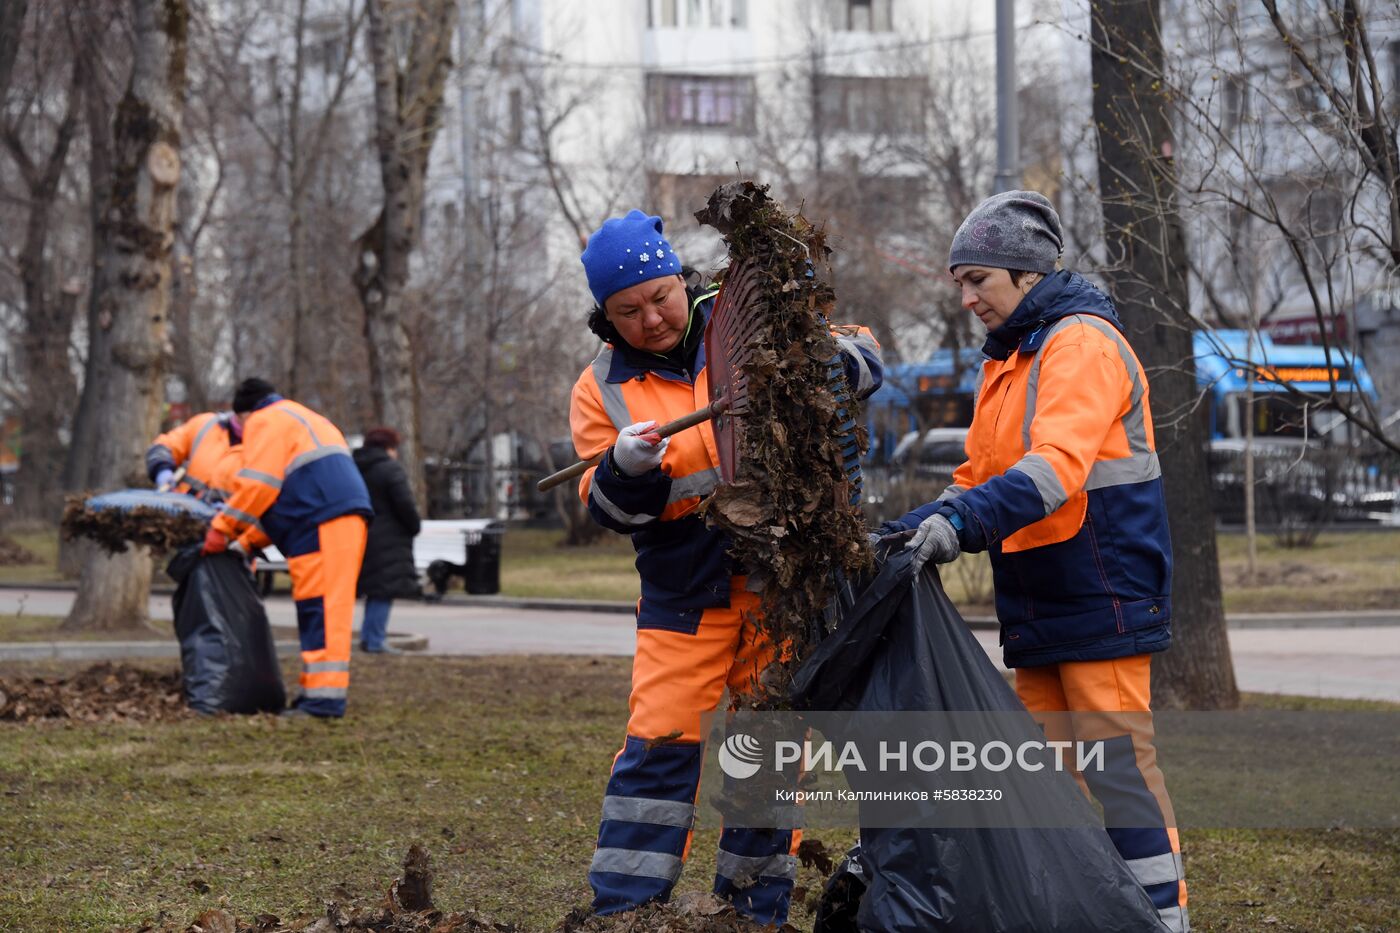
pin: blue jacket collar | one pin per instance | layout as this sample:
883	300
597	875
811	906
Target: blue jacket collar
272	399
1056	296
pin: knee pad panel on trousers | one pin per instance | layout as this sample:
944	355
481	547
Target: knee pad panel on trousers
311	623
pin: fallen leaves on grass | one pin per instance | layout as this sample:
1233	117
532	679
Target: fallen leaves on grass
105	692
408	908
14	554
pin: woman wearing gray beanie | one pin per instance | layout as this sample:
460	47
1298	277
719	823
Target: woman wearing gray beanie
1062	487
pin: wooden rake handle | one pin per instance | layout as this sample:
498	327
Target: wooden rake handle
708	413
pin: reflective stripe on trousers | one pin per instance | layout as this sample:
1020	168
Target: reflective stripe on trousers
323	588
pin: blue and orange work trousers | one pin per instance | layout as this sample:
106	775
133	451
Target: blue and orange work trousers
1110	701
649	806
324	571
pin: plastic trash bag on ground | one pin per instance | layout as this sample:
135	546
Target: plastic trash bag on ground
227	654
903	647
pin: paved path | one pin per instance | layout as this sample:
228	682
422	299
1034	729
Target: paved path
1356	662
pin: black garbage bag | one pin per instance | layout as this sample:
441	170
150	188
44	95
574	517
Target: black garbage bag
227	655
902	646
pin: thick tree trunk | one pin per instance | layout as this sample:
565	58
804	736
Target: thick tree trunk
407	105
1147	261
97	104
136	249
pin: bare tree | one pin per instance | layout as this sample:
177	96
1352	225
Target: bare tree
37	135
1147	274
133	294
408	93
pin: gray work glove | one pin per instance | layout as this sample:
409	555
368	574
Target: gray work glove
164	480
936	539
639	448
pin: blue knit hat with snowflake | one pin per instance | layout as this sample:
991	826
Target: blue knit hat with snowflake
627	251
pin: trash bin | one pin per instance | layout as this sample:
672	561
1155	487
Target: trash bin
483	574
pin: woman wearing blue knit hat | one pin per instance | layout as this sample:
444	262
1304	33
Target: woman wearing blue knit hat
693	640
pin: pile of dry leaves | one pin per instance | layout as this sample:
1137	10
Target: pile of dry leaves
104	692
162	530
14	554
789	509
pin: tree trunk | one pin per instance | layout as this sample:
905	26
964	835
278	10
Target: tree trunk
129	342
48	327
1147	260
407	105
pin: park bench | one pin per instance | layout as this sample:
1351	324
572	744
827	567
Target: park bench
469	548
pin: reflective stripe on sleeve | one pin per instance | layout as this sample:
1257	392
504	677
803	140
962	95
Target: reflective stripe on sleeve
700	483
637	863
242	518
1052	491
266	479
1138	468
607	505
328	450
645	810
951	493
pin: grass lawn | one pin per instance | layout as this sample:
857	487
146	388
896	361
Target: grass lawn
1349	570
1344	570
45	628
498	766
44	544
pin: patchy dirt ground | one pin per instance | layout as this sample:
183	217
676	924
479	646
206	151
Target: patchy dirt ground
407	907
105	692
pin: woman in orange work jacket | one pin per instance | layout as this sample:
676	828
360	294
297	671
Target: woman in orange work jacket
1062	487
692	639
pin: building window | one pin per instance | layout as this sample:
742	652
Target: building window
697	14
676	198
700	101
862	15
871	105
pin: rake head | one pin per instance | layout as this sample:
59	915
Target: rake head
736	317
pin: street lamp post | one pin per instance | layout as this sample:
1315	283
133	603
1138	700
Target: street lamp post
1008	176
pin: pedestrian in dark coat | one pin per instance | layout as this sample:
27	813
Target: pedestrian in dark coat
388	572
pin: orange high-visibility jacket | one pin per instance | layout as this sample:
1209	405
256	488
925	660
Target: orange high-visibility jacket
202	445
684	566
296	474
1063	487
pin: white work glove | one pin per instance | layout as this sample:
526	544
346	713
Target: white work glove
639	448
163	480
936	539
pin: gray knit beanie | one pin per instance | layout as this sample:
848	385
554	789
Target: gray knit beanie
1011	230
